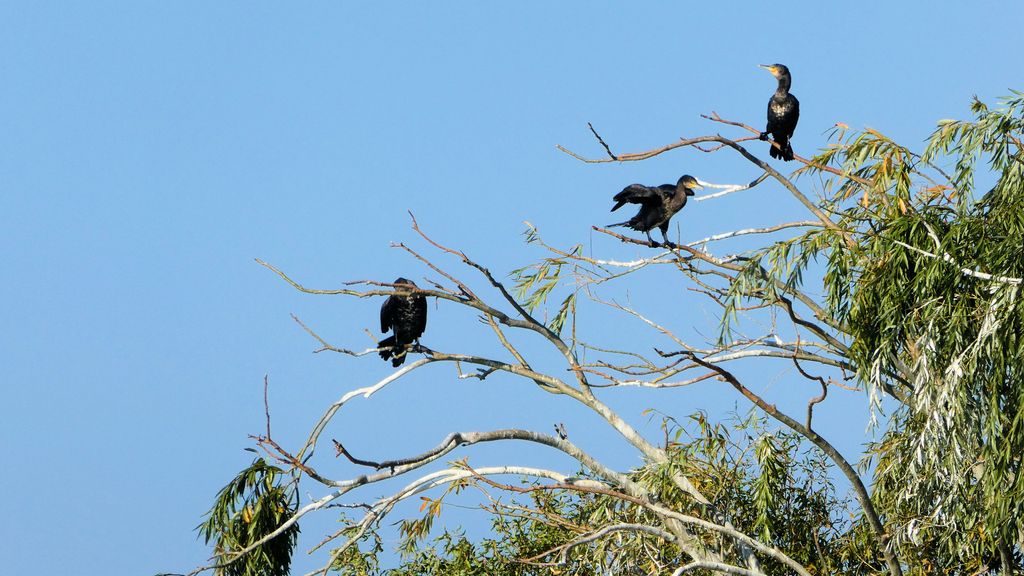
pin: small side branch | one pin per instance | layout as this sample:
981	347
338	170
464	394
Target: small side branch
817	399
601	140
715	567
728	188
564	549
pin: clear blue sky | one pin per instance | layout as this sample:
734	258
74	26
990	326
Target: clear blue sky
150	150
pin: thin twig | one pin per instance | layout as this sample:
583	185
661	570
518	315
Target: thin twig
817	399
601	140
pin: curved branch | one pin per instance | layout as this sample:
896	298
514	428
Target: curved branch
564	549
662	511
456	439
844	466
715	567
633	157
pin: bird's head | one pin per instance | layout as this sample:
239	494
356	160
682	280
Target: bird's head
689	184
405	281
777	70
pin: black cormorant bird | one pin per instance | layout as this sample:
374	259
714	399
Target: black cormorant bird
658	205
406	314
783	113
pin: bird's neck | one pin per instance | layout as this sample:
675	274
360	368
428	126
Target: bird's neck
783	89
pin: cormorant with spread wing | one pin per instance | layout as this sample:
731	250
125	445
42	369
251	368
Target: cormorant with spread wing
783	113
658	205
406	314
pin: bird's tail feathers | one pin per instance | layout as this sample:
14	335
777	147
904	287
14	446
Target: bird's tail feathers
787	152
784	151
390	350
386	347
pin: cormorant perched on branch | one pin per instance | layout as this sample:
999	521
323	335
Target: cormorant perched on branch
657	205
783	113
406	314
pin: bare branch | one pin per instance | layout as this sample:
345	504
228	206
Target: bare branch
715	567
601	140
564	549
728	188
748	231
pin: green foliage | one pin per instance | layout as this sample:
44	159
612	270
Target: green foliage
535	283
251	506
731	464
929	297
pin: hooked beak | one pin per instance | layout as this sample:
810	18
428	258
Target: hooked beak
768	67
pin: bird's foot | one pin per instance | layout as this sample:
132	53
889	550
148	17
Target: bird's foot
670	245
763	136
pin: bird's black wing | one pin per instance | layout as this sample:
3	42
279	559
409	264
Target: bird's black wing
638	194
795	115
419	316
387	313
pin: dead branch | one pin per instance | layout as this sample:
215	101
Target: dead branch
601	140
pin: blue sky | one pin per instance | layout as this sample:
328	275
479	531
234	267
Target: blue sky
149	151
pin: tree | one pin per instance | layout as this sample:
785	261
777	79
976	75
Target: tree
920	310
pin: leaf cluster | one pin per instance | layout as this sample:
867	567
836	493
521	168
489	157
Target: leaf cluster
254	504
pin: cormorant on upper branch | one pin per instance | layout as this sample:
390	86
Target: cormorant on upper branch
406	314
783	113
657	205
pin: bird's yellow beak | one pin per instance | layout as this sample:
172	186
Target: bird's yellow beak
769	68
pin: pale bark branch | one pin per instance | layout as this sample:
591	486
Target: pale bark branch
665	512
963	270
715	567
